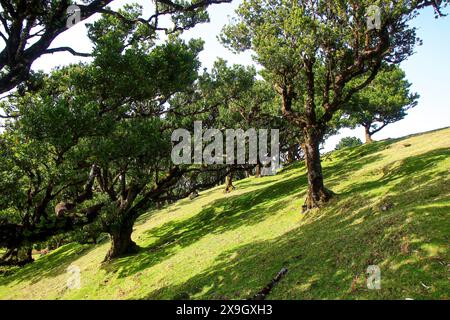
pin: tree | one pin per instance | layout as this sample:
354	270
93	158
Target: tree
348	142
108	123
317	55
101	123
383	102
246	104
28	28
65	136
41	163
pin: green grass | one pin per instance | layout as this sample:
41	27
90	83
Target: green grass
230	246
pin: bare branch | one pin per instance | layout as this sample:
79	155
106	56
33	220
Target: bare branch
67	49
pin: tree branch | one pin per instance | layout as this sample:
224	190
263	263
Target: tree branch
67	49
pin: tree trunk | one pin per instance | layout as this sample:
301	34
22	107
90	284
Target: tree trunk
317	193
229	183
121	243
17	257
291	155
258	170
368	134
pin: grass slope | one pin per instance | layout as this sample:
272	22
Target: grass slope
230	246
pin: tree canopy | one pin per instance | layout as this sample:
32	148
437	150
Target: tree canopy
28	28
317	55
386	100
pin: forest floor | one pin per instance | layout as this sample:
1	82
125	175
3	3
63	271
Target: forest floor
392	210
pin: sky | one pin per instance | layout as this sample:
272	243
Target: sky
428	69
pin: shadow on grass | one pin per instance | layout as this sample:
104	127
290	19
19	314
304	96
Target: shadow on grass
353	159
324	258
50	265
252	207
259	182
219	216
341	243
410	173
329	249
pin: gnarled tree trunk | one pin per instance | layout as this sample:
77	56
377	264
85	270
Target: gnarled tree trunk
317	193
121	242
258	170
229	183
368	134
290	157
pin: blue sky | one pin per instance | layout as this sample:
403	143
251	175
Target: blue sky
428	69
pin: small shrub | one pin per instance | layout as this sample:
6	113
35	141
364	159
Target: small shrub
348	142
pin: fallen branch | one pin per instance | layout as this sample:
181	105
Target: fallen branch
261	295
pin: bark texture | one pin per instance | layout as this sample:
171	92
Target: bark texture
258	170
229	184
368	134
318	195
121	242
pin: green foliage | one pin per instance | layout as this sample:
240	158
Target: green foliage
348	142
286	36
107	114
317	55
386	100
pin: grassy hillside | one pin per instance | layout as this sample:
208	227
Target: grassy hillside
392	210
